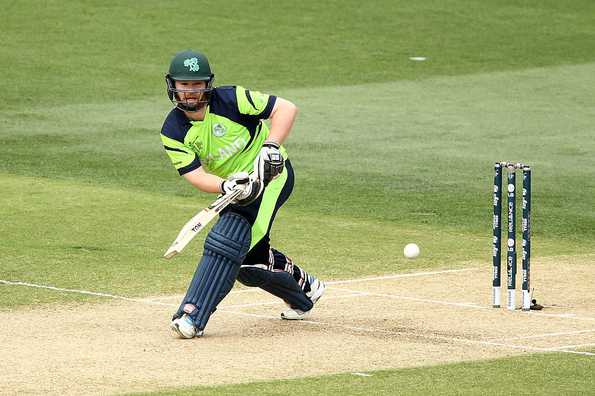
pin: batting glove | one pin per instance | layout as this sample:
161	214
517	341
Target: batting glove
270	163
250	188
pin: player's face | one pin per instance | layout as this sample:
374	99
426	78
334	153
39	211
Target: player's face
190	92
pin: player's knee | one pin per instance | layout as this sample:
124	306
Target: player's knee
229	238
253	276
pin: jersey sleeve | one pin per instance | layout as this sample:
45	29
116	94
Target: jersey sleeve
255	103
174	130
182	157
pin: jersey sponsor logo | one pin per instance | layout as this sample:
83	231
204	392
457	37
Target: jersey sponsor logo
227	151
219	130
192	64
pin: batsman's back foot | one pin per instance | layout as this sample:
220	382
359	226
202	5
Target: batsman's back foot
317	289
183	327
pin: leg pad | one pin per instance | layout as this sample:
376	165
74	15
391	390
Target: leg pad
225	248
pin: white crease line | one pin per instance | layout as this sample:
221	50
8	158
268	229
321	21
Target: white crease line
150	301
562	333
355	280
466	305
160	298
397	276
572	346
456	304
90	293
530	348
418	335
355	293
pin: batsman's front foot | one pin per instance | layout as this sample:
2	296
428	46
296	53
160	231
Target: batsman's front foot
183	327
317	288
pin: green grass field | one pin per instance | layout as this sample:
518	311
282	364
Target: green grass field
386	150
551	374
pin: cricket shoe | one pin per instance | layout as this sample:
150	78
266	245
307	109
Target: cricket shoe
183	327
317	288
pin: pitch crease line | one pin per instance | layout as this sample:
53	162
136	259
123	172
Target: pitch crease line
152	299
562	333
466	305
340	282
572	346
356	293
86	292
397	276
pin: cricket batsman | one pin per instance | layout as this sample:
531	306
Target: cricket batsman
215	137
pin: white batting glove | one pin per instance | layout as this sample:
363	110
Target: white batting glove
270	163
250	188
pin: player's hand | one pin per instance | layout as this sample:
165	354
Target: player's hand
251	188
270	163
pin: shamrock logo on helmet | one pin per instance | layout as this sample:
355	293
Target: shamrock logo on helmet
192	64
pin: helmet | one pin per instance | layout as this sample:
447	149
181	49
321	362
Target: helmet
189	66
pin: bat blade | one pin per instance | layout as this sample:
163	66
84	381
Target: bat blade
189	231
197	223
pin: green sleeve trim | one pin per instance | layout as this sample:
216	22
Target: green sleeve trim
251	102
180	155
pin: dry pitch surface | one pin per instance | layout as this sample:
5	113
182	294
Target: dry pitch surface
359	325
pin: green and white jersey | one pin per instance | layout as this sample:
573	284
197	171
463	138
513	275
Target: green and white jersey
227	140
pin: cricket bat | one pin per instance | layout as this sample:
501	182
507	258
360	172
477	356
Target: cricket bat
198	222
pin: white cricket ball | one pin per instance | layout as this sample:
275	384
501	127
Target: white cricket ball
411	250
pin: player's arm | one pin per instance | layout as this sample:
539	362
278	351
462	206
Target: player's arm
279	111
282	118
188	164
270	163
204	181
